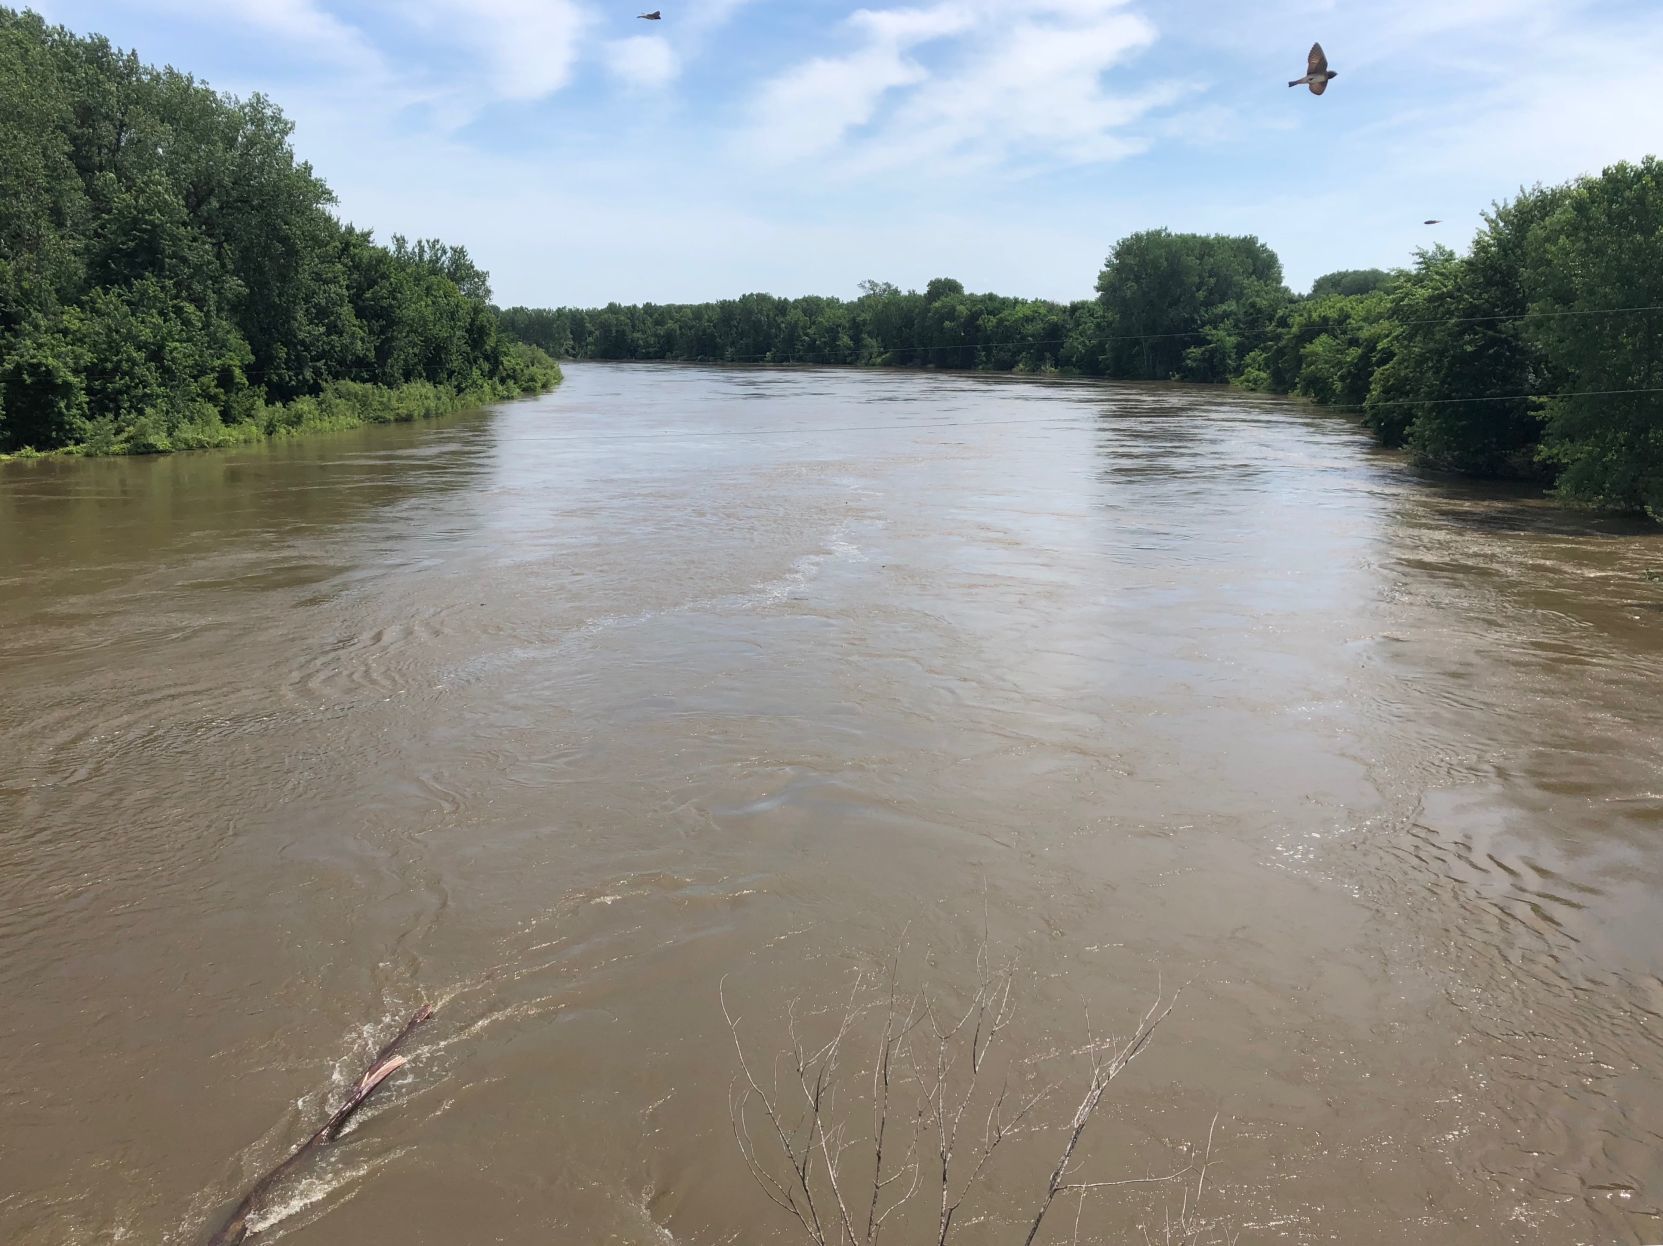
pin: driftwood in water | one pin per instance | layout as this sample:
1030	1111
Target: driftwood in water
386	1063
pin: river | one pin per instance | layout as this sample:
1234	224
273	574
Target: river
559	714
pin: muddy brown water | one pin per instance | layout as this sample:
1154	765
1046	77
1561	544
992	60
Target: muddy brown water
557	714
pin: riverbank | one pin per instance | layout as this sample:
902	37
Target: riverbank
341	405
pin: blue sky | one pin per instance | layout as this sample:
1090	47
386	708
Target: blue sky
800	146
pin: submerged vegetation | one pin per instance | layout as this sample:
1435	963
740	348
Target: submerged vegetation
1538	354
171	278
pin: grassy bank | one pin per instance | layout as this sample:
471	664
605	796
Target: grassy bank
341	405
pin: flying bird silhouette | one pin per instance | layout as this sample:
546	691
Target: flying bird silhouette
655	16
1317	73
1431	222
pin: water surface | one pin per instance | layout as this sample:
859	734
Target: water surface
559	713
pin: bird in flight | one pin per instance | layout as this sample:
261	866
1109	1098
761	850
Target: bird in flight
1317	73
655	16
1431	222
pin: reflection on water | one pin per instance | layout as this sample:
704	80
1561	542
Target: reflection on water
559	713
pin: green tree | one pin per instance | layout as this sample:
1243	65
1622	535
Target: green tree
1350	281
1185	305
42	200
168	269
1463	358
1598	247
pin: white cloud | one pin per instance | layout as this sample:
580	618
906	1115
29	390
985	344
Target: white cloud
302	21
531	49
711	14
303	24
963	86
530	46
1545	104
647	62
807	111
652	62
810	108
905	27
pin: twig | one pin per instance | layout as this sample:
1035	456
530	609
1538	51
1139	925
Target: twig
944	1059
1101	1075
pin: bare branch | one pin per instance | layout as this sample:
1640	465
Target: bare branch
941	1061
1102	1074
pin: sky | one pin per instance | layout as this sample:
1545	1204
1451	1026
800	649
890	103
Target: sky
801	146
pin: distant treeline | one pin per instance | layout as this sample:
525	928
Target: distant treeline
171	278
1524	357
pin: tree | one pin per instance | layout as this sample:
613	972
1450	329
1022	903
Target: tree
1181	304
167	267
42	200
1349	281
1595	248
1463	359
942	287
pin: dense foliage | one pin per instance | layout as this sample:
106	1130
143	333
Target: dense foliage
1180	305
1350	281
1530	356
171	277
1197	295
1537	354
942	327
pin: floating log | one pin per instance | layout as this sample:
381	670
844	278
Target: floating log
385	1064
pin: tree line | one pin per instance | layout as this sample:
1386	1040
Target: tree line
1537	354
171	277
